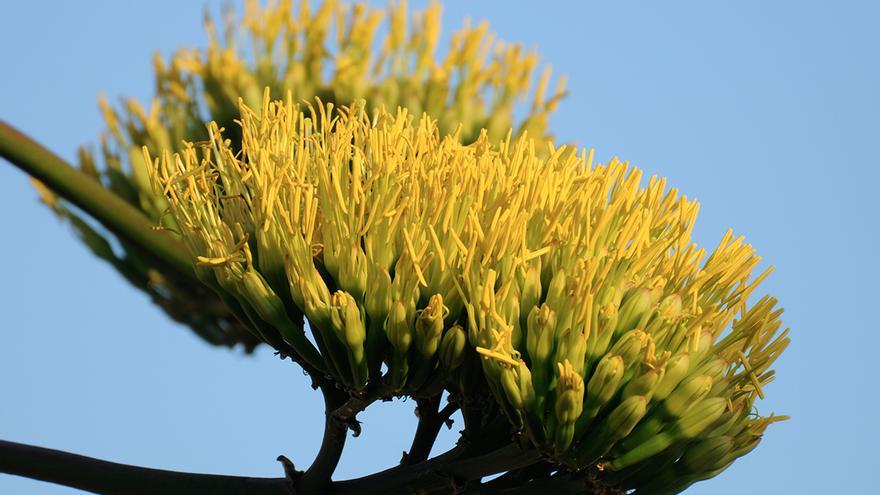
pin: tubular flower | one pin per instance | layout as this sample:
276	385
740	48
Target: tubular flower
335	52
607	337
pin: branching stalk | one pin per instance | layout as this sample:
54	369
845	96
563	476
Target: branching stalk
110	478
110	210
431	420
317	477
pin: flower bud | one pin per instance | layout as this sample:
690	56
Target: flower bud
452	348
260	296
556	291
643	384
635	305
526	389
687	395
670	308
353	272
397	327
572	347
346	317
630	345
707	454
676	371
603	384
569	394
531	289
569	404
714	368
429	327
626	416
510	385
541	329
377	301
700	417
316	299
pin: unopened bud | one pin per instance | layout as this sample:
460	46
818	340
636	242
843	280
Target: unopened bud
630	345
569	394
452	348
676	371
635	305
626	416
670	308
377	301
541	329
707	454
687	395
397	327
353	272
700	417
429	327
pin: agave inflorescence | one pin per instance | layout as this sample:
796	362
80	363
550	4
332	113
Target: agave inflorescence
605	335
334	52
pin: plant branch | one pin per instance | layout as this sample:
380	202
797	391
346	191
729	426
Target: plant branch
317	477
110	478
110	210
446	473
430	422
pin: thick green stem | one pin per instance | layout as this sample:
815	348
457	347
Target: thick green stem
110	210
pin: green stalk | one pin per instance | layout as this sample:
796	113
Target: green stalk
116	215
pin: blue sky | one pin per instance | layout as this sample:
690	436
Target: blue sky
768	113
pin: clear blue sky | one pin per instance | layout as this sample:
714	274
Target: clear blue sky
767	112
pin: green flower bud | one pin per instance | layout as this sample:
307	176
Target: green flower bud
541	329
630	345
510	385
643	384
331	252
397	327
670	308
572	347
353	272
707	454
526	389
509	311
452	348
691	425
603	385
556	290
700	417
569	394
316	299
687	395
676	371
624	418
429	327
714	368
569	404
531	290
600	338
346	317
261	297
636	304
377	301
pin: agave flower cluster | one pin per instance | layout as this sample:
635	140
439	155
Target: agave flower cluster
335	52
605	335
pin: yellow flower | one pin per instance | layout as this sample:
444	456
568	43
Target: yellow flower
333	51
627	320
